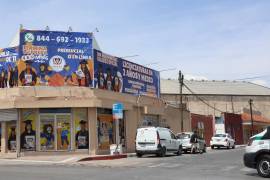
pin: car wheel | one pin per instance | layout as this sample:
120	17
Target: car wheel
204	149
212	147
233	146
228	147
139	155
162	152
193	151
179	152
263	166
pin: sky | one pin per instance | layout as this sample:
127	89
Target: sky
205	39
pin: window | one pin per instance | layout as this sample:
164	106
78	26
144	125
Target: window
172	136
220	135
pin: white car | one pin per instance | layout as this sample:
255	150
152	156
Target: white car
156	140
222	140
186	145
257	155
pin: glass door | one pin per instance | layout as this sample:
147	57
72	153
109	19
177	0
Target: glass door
12	140
47	132
63	131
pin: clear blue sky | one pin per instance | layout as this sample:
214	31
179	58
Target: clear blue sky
216	39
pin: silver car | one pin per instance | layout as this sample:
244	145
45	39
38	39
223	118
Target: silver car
186	145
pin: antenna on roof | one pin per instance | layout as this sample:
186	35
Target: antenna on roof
70	29
96	29
47	28
21	26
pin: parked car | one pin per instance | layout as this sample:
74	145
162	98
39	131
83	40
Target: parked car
257	155
222	140
156	140
186	145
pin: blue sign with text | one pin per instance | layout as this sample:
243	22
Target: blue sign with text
55	58
119	75
8	67
118	111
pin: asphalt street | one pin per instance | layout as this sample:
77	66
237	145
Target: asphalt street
215	164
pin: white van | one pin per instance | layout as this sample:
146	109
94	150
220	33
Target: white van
157	140
257	153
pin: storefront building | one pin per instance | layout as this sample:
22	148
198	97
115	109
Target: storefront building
76	119
58	90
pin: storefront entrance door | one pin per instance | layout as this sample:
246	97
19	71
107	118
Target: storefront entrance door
55	132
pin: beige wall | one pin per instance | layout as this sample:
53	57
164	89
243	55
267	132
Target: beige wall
172	117
132	120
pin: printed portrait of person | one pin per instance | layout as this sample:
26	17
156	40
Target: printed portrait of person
12	76
117	83
64	135
109	80
28	77
48	135
43	74
82	136
84	75
100	77
3	78
12	139
28	137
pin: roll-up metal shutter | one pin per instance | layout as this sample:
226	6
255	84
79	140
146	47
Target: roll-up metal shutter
8	114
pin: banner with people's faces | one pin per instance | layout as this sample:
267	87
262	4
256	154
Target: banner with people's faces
8	67
55	58
81	128
119	75
28	130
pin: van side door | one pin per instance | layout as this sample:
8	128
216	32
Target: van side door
174	142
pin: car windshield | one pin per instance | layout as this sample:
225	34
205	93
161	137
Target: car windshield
183	136
220	135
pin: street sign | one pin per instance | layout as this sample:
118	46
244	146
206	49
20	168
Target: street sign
117	111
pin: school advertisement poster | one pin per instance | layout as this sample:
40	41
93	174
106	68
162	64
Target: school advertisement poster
63	132
105	131
47	135
81	128
119	75
28	129
8	67
12	141
55	58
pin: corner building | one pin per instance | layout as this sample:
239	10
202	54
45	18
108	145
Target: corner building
63	109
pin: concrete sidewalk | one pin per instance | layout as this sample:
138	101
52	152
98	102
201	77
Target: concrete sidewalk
70	158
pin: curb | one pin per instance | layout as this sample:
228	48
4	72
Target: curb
105	157
129	155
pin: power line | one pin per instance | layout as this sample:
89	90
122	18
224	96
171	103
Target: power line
202	100
254	77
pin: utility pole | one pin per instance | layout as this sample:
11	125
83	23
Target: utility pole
181	83
251	116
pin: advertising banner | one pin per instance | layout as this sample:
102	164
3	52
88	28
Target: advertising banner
8	67
47	139
63	132
12	140
28	129
119	75
105	131
81	128
54	58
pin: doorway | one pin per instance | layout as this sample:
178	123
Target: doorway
55	131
